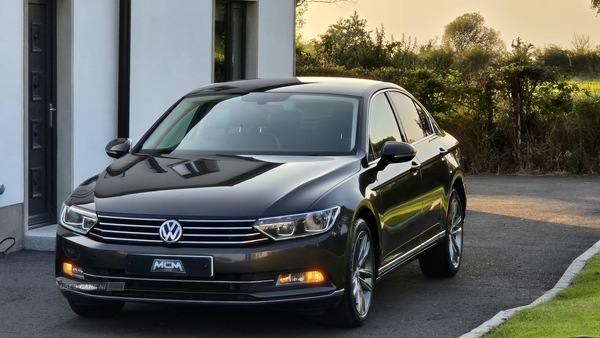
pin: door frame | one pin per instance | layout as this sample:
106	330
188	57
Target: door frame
52	89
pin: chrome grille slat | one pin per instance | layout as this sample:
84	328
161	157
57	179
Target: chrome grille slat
220	235
256	241
137	230
133	225
135	218
217	221
126	232
217	228
122	240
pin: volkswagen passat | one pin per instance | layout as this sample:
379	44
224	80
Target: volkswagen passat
266	192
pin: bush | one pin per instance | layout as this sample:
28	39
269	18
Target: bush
513	112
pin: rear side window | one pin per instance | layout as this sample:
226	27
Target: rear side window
383	126
415	122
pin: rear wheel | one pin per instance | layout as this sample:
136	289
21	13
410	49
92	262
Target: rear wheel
356	302
96	308
443	260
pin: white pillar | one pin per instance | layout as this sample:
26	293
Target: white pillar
95	41
171	54
276	41
12	112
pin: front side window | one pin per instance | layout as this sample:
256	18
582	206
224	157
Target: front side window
415	122
382	125
258	123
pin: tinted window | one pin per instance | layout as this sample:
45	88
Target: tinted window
258	123
382	125
415	123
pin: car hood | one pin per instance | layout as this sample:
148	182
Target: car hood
214	186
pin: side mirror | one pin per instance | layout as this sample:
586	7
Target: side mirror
396	152
118	147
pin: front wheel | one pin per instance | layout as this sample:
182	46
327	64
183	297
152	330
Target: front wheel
443	259
354	306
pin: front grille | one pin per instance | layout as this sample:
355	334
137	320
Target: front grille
196	233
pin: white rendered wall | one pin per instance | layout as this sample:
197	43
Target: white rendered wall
94	88
276	41
171	54
11	102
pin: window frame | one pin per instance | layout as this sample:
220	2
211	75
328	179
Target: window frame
421	111
370	150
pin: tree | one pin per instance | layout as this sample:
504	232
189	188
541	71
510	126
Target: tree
584	57
346	43
596	5
582	43
521	74
555	56
468	31
300	21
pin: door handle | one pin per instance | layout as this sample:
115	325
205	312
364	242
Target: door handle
414	167
50	111
443	153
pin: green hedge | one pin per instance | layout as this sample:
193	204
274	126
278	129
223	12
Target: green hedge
559	130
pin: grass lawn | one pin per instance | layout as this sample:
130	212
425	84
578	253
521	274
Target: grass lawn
575	312
592	86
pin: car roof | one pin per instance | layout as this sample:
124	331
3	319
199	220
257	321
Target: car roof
320	85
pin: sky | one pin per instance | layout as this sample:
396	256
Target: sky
540	22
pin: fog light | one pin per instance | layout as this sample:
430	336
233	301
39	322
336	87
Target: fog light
301	277
72	270
68	268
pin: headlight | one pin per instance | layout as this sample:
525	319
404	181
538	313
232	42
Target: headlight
300	225
77	219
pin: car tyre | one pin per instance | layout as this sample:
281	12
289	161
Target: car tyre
444	259
96	309
354	307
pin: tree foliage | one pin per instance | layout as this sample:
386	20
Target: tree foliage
346	42
468	31
513	111
582	60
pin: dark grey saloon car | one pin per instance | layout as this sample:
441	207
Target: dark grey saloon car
267	192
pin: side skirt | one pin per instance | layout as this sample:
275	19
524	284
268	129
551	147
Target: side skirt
409	256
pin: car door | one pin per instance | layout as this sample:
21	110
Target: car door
397	187
420	134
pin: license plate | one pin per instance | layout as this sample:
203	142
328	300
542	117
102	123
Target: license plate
196	266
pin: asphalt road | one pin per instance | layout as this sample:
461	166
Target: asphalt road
521	234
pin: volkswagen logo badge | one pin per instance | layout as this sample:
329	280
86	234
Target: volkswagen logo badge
170	231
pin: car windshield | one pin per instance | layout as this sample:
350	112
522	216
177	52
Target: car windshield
258	123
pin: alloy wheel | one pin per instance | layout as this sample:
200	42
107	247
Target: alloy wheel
362	280
455	223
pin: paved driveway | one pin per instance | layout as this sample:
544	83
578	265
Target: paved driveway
521	235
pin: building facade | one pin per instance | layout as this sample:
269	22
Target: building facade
75	74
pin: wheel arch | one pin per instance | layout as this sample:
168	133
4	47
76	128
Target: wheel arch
368	215
459	184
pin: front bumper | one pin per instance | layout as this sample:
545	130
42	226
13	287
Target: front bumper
240	276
